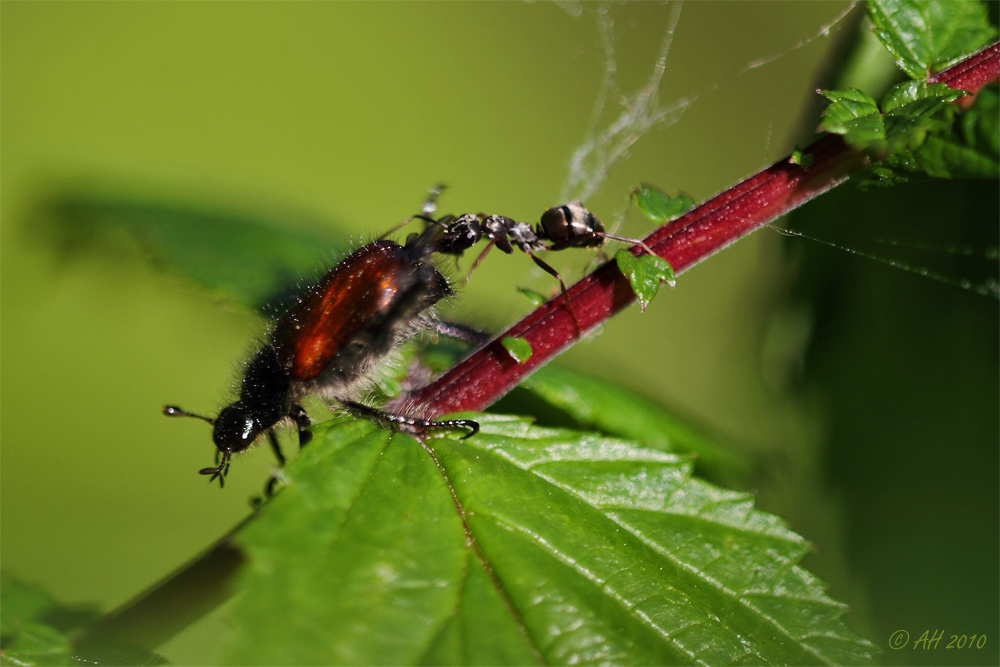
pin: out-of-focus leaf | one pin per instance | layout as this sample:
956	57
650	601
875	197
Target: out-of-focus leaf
644	273
35	629
659	206
519	348
926	36
522	545
244	260
37	644
22	603
613	410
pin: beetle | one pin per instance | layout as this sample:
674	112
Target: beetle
328	343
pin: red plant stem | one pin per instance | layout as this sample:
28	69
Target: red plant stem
972	73
490	372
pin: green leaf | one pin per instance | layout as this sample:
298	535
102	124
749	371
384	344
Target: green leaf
854	114
521	545
536	298
915	109
659	206
613	410
926	36
519	348
913	112
969	149
804	160
644	273
480	607
363	548
247	261
897	98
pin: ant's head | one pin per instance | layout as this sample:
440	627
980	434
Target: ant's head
233	431
460	235
448	235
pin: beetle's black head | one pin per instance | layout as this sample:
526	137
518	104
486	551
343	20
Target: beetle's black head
233	431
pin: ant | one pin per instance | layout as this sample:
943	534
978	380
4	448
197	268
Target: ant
566	226
328	344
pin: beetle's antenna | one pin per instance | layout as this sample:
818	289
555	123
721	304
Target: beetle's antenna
174	411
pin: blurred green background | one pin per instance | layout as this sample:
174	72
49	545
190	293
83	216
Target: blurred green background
868	395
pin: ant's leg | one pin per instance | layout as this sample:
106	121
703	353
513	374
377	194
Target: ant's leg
301	420
275	447
480	258
555	274
406	423
460	332
405	222
397	227
427	209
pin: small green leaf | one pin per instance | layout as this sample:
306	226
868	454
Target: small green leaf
644	273
915	109
927	35
245	260
519	348
854	114
970	149
659	206
804	160
534	297
900	95
521	545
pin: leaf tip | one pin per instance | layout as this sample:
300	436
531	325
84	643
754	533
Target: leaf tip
518	348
